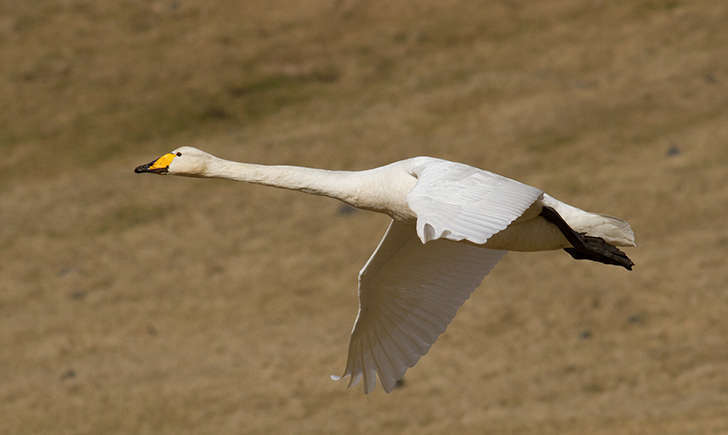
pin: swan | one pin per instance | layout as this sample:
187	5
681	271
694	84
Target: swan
451	223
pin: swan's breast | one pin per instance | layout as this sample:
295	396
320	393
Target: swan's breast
384	190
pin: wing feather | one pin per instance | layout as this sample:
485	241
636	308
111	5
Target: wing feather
392	340
385	368
408	294
370	369
459	202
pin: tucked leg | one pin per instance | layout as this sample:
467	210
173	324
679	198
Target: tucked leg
587	247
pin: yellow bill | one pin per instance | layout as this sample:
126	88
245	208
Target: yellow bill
158	166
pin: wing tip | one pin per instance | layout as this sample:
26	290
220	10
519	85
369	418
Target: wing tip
354	380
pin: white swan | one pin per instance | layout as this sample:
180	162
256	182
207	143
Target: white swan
451	223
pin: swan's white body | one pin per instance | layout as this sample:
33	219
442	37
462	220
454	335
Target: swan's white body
451	223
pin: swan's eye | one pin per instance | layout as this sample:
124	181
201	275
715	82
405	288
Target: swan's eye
179	154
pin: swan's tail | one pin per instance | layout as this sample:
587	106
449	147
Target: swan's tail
612	230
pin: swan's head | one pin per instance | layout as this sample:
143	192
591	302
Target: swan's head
187	161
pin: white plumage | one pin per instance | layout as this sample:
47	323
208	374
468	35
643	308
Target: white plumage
451	223
408	294
459	202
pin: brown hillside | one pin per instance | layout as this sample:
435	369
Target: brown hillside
159	305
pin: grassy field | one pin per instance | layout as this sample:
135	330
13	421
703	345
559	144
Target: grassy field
160	305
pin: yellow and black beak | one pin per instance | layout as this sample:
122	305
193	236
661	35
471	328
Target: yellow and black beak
158	166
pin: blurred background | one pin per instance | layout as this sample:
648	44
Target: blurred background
163	305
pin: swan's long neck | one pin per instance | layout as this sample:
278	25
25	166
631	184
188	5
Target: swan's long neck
336	184
382	189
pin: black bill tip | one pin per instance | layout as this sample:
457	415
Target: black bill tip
143	168
148	168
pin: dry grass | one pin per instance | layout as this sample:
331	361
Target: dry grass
155	305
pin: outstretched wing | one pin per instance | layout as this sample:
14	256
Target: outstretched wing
459	202
408	293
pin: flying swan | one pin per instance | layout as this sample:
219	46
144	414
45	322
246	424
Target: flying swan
451	223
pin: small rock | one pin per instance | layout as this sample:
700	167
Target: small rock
78	295
345	210
64	271
635	318
585	334
673	151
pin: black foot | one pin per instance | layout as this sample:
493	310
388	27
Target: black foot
587	247
596	249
